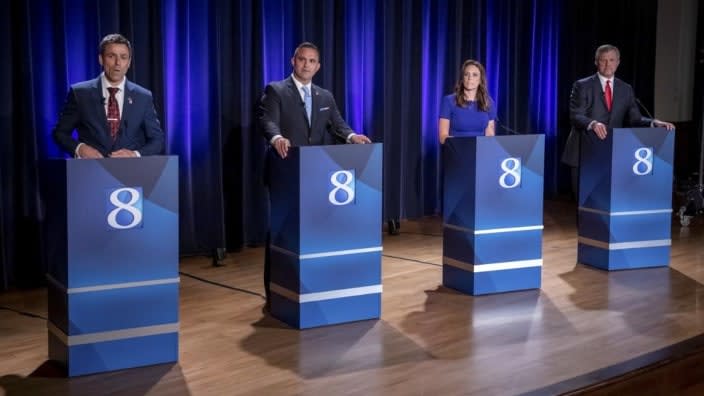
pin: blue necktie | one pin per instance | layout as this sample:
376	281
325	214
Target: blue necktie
308	100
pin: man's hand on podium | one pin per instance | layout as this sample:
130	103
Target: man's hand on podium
282	145
360	139
87	152
123	153
663	124
600	130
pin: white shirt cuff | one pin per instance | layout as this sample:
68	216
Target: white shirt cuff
75	152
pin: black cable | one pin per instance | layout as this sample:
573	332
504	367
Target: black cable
510	131
221	285
414	260
422	233
642	106
23	313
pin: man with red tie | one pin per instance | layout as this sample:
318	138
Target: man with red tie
113	117
598	104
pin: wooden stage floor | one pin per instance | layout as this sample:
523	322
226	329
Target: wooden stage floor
583	325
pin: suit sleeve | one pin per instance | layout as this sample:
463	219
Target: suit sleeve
580	105
67	123
270	113
337	125
153	133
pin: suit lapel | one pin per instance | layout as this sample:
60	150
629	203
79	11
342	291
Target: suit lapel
599	93
619	97
297	99
315	105
127	108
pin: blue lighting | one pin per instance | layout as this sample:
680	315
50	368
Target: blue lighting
355	39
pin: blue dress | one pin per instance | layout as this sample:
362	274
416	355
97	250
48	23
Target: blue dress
466	121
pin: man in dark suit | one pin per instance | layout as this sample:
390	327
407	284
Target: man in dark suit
284	113
296	112
598	104
113	117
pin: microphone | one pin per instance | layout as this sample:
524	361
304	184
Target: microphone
505	128
644	108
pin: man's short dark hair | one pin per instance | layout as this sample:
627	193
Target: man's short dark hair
306	44
114	38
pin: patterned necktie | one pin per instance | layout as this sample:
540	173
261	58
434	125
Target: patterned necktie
607	95
113	113
308	100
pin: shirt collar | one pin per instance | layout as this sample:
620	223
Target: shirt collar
300	84
105	83
603	79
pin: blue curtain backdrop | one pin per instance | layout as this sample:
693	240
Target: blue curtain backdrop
206	61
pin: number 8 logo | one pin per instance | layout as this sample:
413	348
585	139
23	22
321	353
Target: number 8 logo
644	159
512	173
344	187
124	206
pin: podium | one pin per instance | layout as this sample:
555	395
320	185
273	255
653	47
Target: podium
325	233
493	213
625	199
111	227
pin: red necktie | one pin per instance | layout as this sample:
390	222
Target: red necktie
113	113
607	95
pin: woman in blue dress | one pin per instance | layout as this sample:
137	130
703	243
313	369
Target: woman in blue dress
469	111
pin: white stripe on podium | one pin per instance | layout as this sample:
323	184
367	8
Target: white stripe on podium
326	295
625	213
624	245
326	254
489	267
113	286
112	335
493	230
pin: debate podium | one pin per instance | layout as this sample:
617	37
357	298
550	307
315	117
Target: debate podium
111	227
492	213
325	234
625	199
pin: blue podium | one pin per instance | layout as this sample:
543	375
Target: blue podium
111	228
625	199
325	231
493	213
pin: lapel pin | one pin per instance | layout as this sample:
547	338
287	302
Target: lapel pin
129	100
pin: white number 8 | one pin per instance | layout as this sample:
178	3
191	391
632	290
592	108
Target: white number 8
120	206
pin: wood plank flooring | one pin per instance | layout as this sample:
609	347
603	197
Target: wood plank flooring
429	341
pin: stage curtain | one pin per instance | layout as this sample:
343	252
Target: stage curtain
388	63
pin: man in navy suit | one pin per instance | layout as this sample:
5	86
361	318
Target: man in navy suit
296	112
112	116
598	104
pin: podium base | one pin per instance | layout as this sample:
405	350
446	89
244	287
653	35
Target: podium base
501	281
327	312
98	357
623	259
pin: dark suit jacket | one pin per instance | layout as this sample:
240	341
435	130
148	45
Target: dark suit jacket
281	112
84	111
587	104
